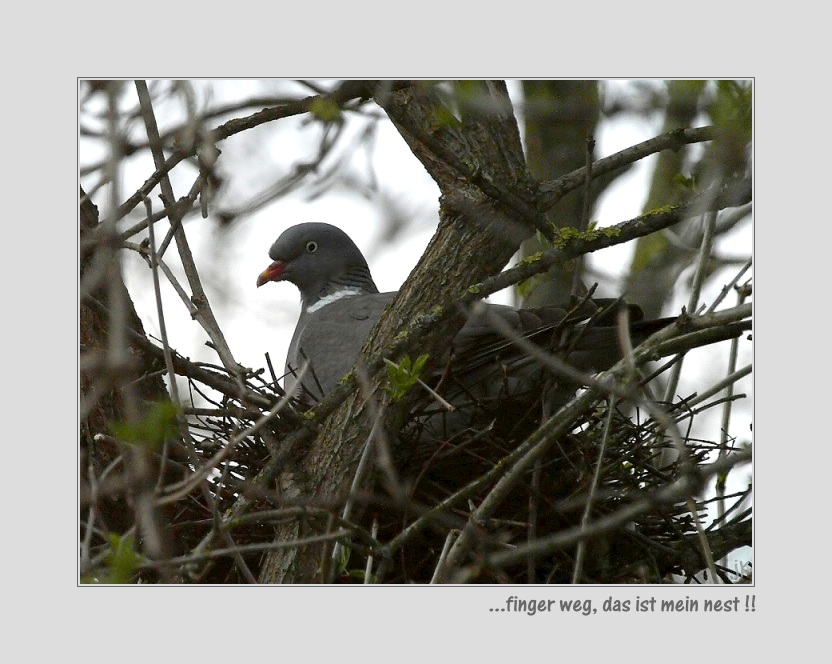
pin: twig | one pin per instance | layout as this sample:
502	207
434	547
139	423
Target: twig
446	547
577	282
248	548
238	558
534	508
204	314
174	390
447	406
357	480
726	382
180	490
368	568
726	418
577	570
384	455
693	300
731	285
551	192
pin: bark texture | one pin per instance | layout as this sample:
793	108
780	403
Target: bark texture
477	235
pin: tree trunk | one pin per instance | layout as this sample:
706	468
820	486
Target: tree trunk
560	117
475	239
657	262
120	380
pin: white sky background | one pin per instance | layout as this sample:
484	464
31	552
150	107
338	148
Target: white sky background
256	321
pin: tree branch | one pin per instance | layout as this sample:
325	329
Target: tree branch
549	193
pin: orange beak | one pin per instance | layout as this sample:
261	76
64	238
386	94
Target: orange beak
271	273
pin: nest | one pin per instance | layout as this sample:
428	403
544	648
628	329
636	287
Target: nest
431	467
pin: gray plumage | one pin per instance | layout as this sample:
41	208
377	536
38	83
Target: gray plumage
341	303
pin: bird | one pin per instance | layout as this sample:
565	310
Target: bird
484	372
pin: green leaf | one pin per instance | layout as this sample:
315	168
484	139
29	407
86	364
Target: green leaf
526	287
325	109
121	562
157	426
343	559
404	376
419	364
688	183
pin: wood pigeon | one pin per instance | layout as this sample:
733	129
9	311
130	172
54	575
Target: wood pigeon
483	371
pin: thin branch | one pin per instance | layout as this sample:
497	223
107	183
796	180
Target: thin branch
357	480
604	238
439	571
693	301
551	192
726	382
347	91
731	285
174	390
577	570
726	418
204	314
259	547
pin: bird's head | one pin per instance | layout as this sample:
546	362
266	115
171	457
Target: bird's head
320	259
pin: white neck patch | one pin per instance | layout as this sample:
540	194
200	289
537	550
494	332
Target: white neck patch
333	297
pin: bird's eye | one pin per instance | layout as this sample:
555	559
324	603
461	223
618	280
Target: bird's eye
312	246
